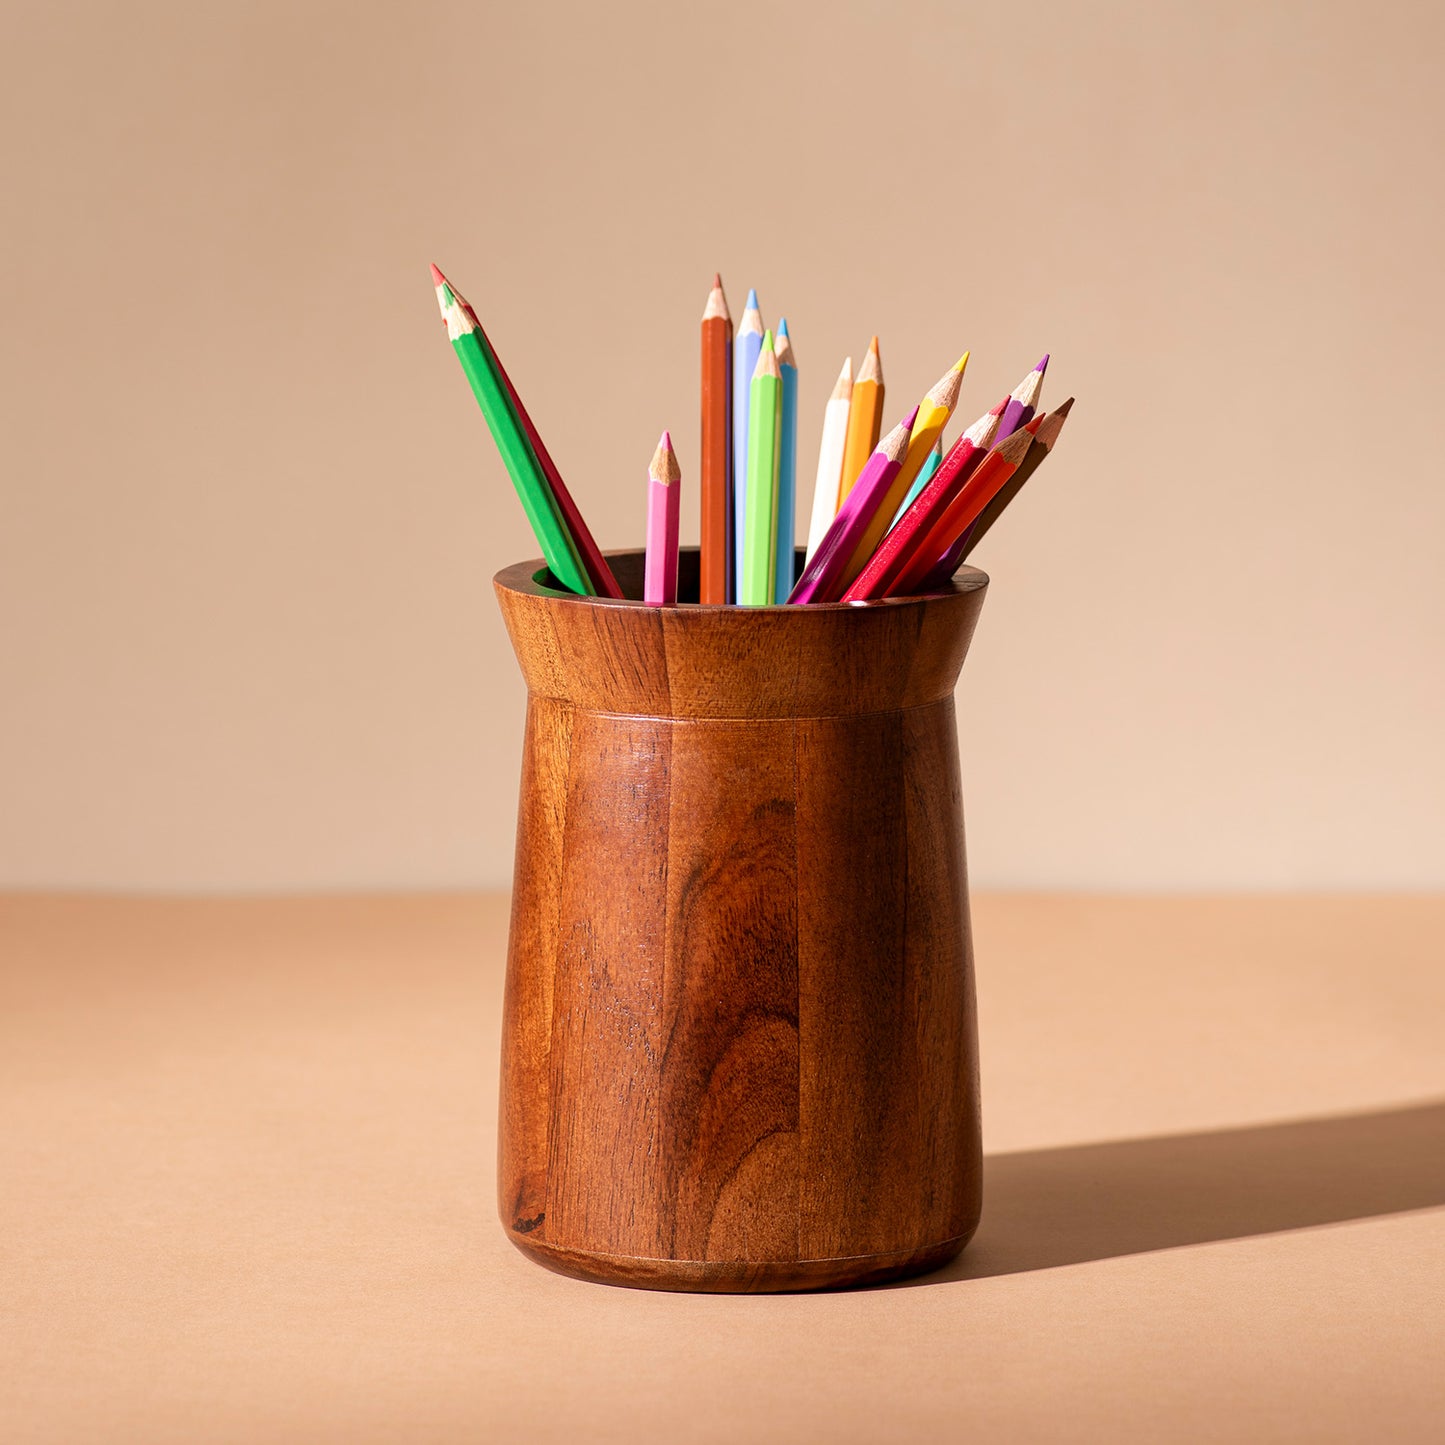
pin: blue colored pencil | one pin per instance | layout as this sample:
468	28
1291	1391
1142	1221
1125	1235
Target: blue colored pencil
747	346
925	474
787	461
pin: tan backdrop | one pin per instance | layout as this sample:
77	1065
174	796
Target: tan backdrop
250	513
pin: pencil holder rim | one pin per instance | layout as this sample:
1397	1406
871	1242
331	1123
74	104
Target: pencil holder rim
525	578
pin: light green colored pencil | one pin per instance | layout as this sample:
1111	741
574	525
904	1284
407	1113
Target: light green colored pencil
543	513
760	526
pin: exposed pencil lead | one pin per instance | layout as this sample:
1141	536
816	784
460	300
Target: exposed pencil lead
1014	448
895	443
717	302
872	368
664	467
944	391
752	302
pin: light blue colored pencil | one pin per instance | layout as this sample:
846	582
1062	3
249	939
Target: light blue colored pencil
787	462
931	464
747	346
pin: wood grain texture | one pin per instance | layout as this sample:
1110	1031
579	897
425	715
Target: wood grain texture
739	1043
730	1079
522	1140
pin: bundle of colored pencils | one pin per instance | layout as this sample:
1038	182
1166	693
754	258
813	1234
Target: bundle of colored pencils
891	516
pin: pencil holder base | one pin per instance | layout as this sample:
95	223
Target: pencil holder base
711	1276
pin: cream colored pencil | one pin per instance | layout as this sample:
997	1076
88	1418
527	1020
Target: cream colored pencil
830	458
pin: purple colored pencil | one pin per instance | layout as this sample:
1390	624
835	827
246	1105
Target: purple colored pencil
1022	403
826	576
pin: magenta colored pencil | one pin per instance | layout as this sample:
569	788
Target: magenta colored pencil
659	579
1023	402
826	575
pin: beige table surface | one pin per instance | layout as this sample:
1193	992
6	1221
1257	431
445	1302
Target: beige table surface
248	1172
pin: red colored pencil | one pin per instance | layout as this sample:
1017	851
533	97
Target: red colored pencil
898	546
997	467
598	571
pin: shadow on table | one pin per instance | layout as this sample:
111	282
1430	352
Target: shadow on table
1050	1207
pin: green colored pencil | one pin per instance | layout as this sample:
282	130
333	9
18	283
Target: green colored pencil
543	513
760	530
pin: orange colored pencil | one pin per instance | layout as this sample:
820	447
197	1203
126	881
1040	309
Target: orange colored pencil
933	414
865	420
1047	434
717	451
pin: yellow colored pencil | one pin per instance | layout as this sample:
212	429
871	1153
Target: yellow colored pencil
933	413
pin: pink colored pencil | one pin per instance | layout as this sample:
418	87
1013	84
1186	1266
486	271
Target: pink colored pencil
826	575
592	559
1023	401
659	581
945	484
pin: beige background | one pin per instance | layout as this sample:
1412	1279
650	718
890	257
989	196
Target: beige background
250	513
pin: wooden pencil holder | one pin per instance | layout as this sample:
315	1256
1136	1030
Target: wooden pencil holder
739	1042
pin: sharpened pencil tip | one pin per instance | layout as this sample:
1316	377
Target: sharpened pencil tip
961	363
664	467
873	346
752	302
1043	363
717	280
437	279
911	418
782	326
767	341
